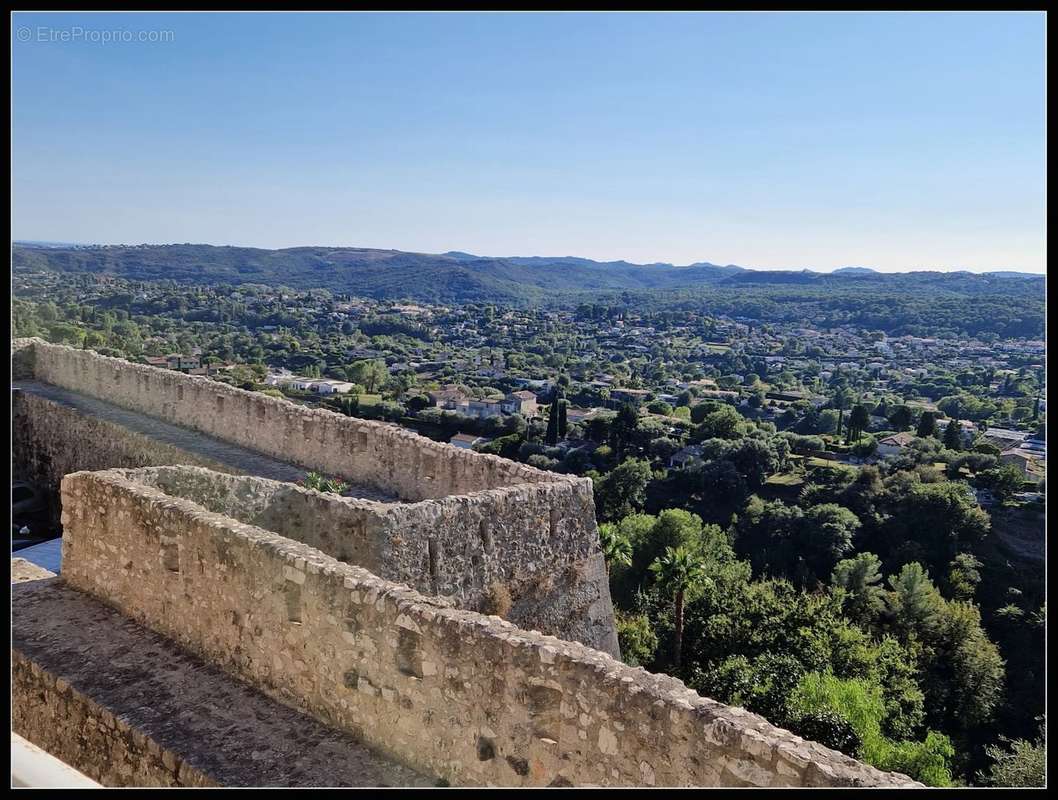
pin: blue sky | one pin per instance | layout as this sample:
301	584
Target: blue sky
896	141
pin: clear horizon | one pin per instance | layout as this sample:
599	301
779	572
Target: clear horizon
893	141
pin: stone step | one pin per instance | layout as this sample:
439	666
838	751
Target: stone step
128	707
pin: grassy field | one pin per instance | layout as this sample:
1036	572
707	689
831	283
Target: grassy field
786	479
368	400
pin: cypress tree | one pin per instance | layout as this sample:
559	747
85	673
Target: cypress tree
552	425
859	419
562	424
953	434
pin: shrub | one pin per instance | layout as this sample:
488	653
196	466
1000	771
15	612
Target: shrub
637	639
830	729
861	703
321	483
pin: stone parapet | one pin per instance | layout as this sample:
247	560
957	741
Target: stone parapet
360	451
467	698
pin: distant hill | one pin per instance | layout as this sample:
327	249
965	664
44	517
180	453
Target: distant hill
854	271
1006	273
458	277
448	277
53	245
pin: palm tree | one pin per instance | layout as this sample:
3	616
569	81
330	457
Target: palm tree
616	548
678	572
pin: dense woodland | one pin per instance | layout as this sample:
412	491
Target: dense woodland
866	603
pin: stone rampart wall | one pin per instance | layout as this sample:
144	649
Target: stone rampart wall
347	529
472	524
470	699
461	548
362	451
50	440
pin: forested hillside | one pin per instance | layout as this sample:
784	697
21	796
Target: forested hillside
922	303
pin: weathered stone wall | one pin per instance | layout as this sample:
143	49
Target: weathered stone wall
472	523
468	698
348	529
23	571
23	359
456	547
532	542
361	451
50	440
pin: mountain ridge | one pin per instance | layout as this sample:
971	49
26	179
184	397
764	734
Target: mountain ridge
454	276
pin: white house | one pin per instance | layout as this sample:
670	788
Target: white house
322	386
329	386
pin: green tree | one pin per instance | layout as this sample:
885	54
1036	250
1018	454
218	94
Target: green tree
623	490
623	428
724	423
1020	764
963	576
914	602
563	425
861	702
895	670
860	577
616	547
859	419
826	536
349	404
552	425
1003	481
767	532
636	638
901	418
371	374
953	435
965	672
659	407
678	572
942	518
927	425
701	410
842	400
